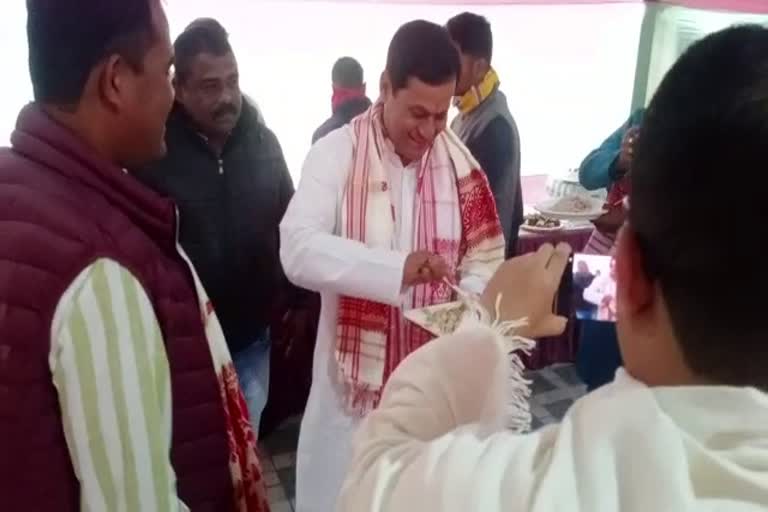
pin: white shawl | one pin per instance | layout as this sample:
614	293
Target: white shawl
436	443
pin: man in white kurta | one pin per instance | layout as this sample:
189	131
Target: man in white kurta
318	253
684	426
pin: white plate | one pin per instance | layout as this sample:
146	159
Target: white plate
540	229
425	317
596	209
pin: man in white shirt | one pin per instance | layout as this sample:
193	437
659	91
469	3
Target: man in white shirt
389	208
602	293
683	426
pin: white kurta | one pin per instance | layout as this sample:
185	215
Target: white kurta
315	257
436	444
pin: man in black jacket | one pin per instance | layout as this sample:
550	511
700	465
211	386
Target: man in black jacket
226	172
484	122
349	99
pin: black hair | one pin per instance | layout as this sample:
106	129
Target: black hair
424	51
472	33
68	38
347	72
204	35
705	129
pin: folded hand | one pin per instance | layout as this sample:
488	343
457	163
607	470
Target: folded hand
423	267
528	285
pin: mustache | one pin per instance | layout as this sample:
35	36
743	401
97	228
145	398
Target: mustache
224	109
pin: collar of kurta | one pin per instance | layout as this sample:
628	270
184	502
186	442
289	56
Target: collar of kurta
478	93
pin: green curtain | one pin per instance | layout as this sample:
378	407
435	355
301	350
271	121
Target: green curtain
666	33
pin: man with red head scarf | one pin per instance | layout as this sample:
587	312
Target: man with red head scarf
348	100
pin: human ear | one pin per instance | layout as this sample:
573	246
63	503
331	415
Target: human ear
635	289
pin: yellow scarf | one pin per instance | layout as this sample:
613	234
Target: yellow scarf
478	93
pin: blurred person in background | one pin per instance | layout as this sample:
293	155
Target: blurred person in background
348	100
118	391
608	167
602	294
226	172
484	122
389	207
582	279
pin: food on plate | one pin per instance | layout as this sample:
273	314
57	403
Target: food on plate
445	320
572	204
540	221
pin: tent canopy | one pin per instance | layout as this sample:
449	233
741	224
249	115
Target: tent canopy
748	6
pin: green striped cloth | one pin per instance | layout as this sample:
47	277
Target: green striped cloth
110	369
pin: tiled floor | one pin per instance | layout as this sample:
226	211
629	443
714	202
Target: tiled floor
554	390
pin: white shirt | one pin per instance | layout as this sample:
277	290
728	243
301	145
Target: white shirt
111	372
316	257
313	253
436	444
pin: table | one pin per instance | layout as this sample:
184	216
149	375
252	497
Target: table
575	235
560	349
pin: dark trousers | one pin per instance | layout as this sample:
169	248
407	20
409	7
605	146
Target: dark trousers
512	242
598	357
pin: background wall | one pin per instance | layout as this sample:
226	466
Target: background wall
568	70
668	30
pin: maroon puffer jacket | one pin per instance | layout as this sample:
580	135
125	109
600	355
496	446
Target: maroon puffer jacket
61	208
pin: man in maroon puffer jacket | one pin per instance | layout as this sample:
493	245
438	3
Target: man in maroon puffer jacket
116	387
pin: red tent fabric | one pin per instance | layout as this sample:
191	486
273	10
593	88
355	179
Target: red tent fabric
492	2
748	6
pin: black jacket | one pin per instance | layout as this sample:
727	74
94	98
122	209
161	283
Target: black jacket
230	209
496	149
490	133
343	114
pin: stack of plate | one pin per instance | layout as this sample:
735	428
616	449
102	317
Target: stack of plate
568	185
554	208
